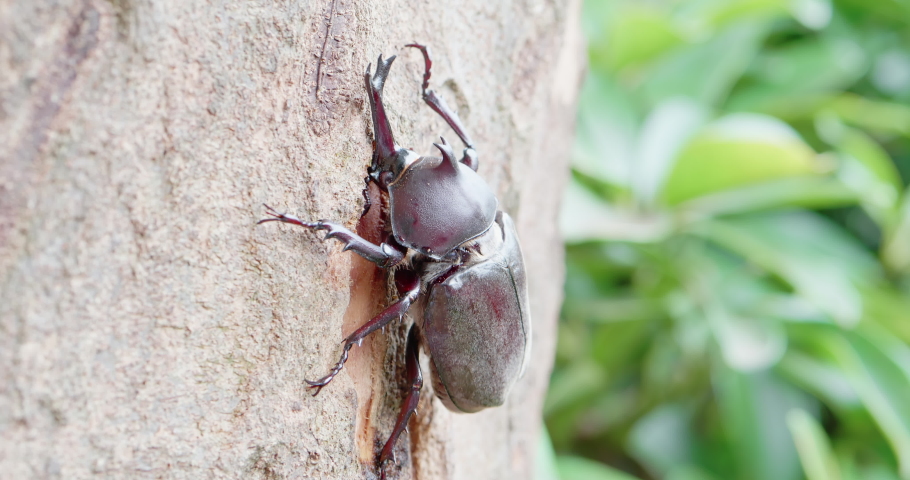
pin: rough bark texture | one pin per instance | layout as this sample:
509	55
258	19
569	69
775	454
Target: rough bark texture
148	327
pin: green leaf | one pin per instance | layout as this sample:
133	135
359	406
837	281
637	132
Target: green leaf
896	248
808	192
726	12
605	133
875	115
794	80
823	379
888	345
883	388
753	408
814	14
865	167
662	438
579	468
814	256
747	344
636	34
890	10
815	64
606	309
545	461
577	381
812	444
616	345
666	130
584	217
868	152
688	472
705	72
889	309
736	151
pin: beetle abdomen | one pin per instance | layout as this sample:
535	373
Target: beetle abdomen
436	208
477	329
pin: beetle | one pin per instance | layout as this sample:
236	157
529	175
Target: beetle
454	256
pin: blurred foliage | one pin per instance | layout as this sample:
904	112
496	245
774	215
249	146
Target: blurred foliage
738	245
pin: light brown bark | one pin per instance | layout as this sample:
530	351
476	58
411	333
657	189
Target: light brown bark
148	327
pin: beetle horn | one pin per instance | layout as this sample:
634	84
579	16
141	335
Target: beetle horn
448	156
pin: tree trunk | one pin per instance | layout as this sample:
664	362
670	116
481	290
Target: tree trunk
150	329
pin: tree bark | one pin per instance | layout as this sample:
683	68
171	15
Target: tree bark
149	328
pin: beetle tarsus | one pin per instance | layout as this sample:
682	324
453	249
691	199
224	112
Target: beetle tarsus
427	63
394	311
322	382
438	104
283	218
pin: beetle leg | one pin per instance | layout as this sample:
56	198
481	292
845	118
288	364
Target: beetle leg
384	255
385	143
372	173
438	104
392	312
415	379
367	202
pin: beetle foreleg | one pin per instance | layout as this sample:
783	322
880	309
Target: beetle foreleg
385	142
438	104
415	379
384	255
394	311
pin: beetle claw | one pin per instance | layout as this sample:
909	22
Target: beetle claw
269	211
285	218
318	385
315	385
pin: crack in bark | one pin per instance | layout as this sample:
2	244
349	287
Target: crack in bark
325	43
331	89
52	87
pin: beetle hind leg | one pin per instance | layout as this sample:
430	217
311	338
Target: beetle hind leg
409	407
392	312
439	106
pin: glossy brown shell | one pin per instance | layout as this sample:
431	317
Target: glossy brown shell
438	204
477	328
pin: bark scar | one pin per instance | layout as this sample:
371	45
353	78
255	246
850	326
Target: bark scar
55	81
330	88
325	43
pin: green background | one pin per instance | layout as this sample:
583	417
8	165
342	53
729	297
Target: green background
738	245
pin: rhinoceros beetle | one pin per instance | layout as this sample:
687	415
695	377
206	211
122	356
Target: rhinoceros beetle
455	257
